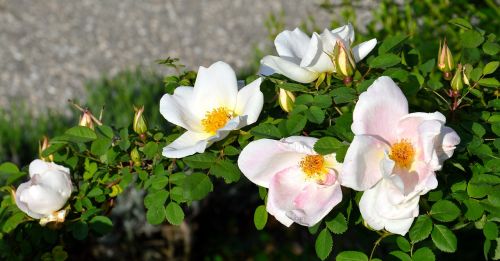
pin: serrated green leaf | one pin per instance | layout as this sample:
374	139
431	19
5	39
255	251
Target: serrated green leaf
150	149
390	42
260	217
471	39
474	209
401	255
106	131
100	146
157	198
294	87
174	213
296	123
351	256
460	22
201	161
423	254
338	224
80	134
384	61
324	244
13	221
79	230
266	130
421	229
444	239
403	244
491	48
489	82
490	230
344	95
322	101
196	186
445	211
327	145
227	170
155	214
101	224
490	67
315	115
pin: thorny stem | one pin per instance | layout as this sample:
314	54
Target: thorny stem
375	245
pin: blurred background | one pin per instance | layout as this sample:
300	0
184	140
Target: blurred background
104	53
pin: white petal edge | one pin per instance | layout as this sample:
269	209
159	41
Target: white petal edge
289	69
292	43
176	109
361	50
187	144
249	101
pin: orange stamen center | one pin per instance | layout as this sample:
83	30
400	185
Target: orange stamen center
403	154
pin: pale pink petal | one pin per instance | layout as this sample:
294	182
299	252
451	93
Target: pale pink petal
361	50
301	144
408	125
291	43
215	87
249	101
315	202
379	109
289	68
283	188
450	140
260	160
383	206
430	142
362	166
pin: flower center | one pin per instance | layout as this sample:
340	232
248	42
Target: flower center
403	154
215	119
314	166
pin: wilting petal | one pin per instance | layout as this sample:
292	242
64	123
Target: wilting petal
187	144
379	109
361	50
291	43
215	87
315	202
261	159
250	101
379	210
290	69
176	109
362	164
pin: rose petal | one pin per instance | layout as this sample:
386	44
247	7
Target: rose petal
289	68
21	204
314	203
187	144
316	59
176	109
362	167
42	200
260	160
249	101
345	33
38	167
291	43
450	140
361	50
379	110
215	87
283	188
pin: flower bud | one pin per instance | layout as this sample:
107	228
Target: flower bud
57	217
286	100
43	145
86	119
457	82
139	126
445	60
135	157
46	192
344	62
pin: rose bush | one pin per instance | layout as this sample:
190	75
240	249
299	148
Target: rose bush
326	134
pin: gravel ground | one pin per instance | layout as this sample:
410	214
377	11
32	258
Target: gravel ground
49	48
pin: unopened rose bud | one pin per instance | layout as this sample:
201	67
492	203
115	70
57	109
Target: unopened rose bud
135	157
139	126
44	144
86	119
286	100
445	60
457	82
343	59
46	193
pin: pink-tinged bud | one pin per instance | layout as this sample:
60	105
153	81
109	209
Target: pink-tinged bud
343	59
286	100
445	60
457	83
139	126
86	119
43	145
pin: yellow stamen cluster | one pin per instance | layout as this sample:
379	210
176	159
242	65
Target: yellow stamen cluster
403	154
215	119
314	166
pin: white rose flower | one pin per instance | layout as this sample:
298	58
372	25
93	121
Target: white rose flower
46	192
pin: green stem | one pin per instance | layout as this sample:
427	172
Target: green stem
375	245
